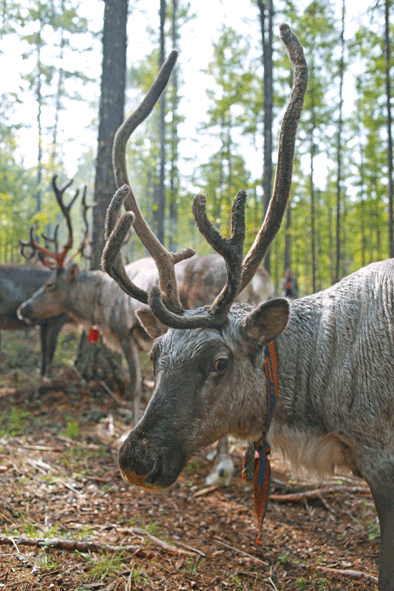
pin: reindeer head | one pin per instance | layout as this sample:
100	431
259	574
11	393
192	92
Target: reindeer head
207	370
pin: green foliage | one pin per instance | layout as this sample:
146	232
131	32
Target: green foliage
13	421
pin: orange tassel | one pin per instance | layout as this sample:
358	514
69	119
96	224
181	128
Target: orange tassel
94	336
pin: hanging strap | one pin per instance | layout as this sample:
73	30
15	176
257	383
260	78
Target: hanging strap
257	456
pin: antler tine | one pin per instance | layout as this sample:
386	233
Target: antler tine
231	249
86	235
164	259
59	192
35	248
284	169
28	244
53	240
116	231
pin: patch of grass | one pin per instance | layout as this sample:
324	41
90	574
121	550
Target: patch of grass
194	466
13	421
194	564
103	564
48	562
285	557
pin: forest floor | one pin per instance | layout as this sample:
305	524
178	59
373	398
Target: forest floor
68	521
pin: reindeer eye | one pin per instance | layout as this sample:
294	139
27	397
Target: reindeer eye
50	286
221	364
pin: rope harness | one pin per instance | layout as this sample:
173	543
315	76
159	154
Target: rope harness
256	466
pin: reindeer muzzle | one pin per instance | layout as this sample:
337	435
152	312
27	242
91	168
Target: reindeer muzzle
25	313
150	465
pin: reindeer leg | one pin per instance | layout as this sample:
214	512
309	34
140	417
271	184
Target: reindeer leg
223	469
383	496
49	337
130	351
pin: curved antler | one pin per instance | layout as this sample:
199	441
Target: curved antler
164	301
164	259
284	168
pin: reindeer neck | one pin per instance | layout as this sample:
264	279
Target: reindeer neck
83	300
301	366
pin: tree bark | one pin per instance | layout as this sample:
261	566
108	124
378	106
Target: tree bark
312	186
95	360
266	17
173	217
288	238
389	137
160	193
113	82
339	150
39	125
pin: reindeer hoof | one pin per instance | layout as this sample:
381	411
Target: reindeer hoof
221	474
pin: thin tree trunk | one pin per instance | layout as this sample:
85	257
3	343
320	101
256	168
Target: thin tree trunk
339	149
160	203
173	217
330	240
59	90
288	238
39	124
266	38
389	137
312	186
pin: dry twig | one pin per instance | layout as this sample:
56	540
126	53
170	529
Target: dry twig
205	491
64	544
241	552
136	531
356	574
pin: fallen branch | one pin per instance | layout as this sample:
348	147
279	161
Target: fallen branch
64	544
191	548
91	446
356	574
136	531
241	552
205	491
42	448
297	497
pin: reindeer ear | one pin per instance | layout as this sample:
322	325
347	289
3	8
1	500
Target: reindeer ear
267	321
71	273
152	325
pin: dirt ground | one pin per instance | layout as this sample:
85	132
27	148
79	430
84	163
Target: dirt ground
68	521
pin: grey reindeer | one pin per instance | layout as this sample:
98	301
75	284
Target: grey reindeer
91	298
335	349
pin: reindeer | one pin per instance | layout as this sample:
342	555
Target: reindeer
91	298
334	348
17	284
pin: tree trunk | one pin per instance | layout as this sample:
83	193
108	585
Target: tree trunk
266	38
173	217
160	194
95	360
39	125
113	81
389	137
288	238
312	186
339	150
59	90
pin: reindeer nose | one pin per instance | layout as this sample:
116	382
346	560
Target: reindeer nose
25	312
134	458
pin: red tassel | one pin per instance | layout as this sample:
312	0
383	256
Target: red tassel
93	335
